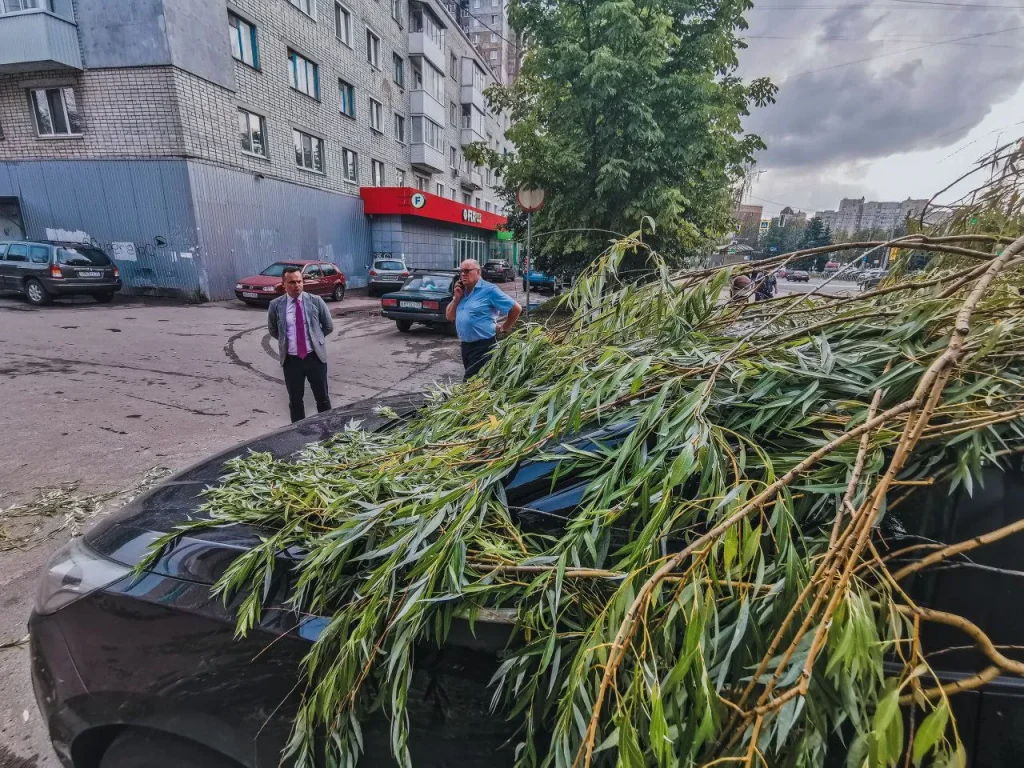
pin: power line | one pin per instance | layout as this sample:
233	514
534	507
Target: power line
905	50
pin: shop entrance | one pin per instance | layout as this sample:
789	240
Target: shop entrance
469	246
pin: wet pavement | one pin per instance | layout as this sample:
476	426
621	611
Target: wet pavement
100	394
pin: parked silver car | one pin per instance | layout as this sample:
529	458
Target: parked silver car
387	274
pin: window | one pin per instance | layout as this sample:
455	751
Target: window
466	199
453	194
376	116
17	253
304	75
373	49
487	206
243	41
453	66
453	157
494	57
329	270
343	24
396	10
252	129
476	5
376	173
421	183
439	189
494	20
311	272
56	112
399	128
306	6
400	177
426	77
309	151
426	131
424	21
82	256
399	75
349	166
453	113
39	254
477	204
12	6
347	98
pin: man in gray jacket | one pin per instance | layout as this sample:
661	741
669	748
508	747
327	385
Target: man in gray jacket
300	322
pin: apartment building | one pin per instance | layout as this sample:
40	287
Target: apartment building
486	22
200	140
856	215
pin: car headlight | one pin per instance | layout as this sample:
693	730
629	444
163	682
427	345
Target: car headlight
269	289
74	572
238	286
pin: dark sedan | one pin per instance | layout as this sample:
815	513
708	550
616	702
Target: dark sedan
498	271
423	299
145	671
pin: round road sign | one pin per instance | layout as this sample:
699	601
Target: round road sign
530	198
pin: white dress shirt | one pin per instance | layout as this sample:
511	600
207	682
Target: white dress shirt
289	322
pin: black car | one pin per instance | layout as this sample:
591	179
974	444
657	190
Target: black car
45	270
799	276
145	672
423	299
498	271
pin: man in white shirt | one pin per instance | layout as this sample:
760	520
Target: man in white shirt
305	322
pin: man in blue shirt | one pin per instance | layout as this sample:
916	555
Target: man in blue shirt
474	310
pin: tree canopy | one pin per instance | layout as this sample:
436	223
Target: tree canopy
623	111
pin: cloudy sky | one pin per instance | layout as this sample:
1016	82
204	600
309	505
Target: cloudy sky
887	99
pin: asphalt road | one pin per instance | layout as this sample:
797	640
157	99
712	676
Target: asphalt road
100	395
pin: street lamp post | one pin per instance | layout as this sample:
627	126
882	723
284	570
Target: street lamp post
530	199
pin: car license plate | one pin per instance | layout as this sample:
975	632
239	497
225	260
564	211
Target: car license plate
251	295
90	274
410	304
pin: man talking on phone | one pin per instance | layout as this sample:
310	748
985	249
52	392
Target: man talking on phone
474	309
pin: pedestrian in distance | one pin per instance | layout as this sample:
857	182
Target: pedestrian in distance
300	322
739	290
474	309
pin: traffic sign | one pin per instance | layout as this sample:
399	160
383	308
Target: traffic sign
530	199
765	224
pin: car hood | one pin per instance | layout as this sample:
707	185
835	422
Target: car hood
202	556
260	280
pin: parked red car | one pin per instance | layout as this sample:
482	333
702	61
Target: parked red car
319	277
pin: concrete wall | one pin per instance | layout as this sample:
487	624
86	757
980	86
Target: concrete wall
146	203
189	34
428	245
246	223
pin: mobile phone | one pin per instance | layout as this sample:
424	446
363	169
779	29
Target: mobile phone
460	284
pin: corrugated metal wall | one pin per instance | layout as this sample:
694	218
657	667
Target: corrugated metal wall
143	202
246	223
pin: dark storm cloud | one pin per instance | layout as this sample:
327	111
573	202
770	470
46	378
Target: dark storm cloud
896	103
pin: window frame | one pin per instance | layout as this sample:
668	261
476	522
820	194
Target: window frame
311	13
293	77
396	12
376	111
371	34
400	128
53	134
297	133
398	65
346	155
351	91
377	178
341	8
265	155
400	177
253	40
453	67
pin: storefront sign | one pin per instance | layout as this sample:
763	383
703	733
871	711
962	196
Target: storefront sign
403	201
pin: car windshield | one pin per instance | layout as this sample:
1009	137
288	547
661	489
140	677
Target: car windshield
439	283
389	265
276	270
82	257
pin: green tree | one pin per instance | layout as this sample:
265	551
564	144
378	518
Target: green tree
623	111
815	235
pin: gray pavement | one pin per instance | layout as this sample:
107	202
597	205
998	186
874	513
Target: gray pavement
102	394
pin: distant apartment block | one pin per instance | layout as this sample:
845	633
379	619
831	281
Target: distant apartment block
856	215
749	218
200	140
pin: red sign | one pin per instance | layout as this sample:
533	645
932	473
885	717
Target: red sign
405	201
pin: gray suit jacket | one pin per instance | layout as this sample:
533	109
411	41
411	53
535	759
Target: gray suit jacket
318	323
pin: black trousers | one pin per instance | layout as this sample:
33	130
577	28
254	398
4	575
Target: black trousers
296	372
475	354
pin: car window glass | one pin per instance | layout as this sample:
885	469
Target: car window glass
82	257
17	252
388	265
275	270
313	273
328	270
39	254
3	251
440	283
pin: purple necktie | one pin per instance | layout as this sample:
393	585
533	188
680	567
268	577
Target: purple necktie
300	330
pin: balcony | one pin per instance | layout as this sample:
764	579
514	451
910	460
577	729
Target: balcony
470	136
422	103
37	39
472	180
426	159
475	96
421	44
